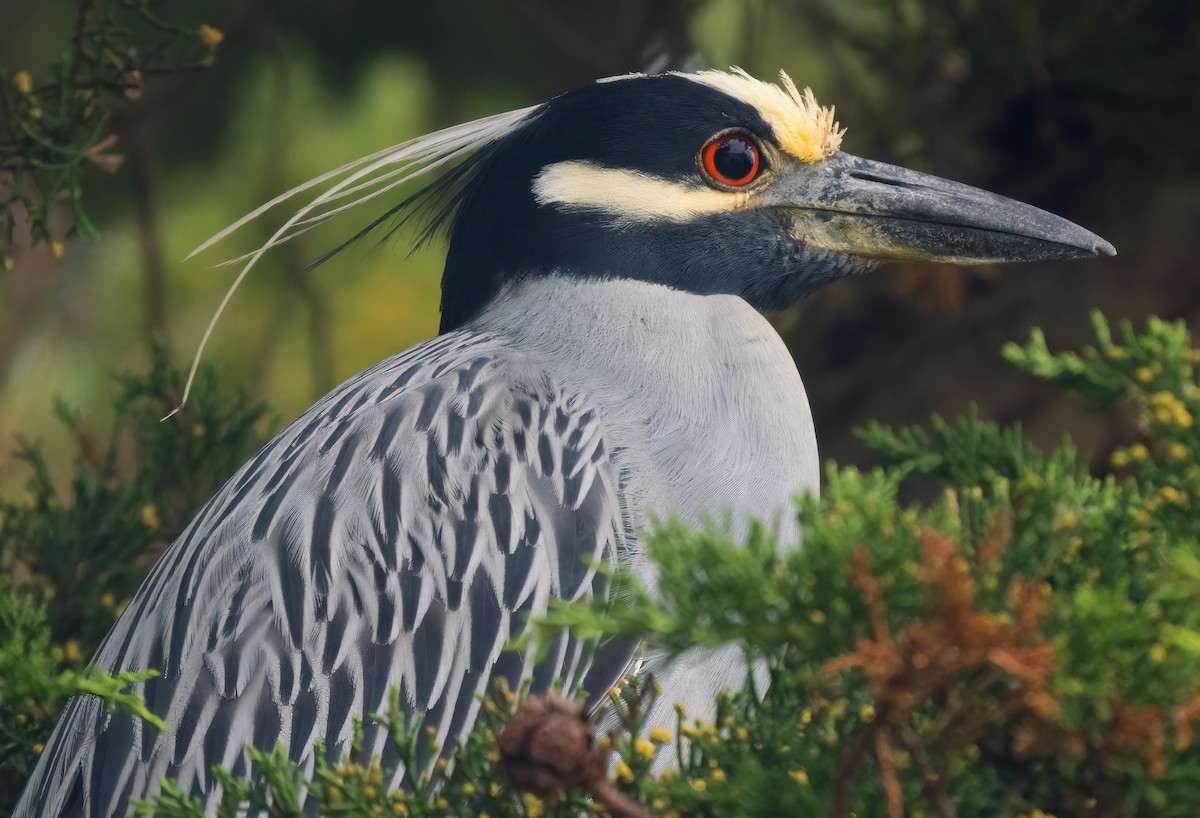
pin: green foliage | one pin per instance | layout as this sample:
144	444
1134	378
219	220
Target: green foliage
58	126
1027	641
132	492
473	785
34	685
73	558
1026	644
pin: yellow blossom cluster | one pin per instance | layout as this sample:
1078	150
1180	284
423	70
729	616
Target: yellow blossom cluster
1168	410
1122	457
70	651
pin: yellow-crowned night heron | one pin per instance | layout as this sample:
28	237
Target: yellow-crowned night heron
601	355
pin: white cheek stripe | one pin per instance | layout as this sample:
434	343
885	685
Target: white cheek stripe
629	195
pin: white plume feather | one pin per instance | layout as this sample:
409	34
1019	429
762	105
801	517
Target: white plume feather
365	179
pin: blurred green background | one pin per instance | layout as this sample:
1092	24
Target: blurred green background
1090	109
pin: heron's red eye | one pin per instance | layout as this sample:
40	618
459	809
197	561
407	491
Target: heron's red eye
731	160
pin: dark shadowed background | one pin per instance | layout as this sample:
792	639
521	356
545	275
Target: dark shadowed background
1088	109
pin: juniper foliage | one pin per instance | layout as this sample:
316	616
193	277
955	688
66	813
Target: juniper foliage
1026	644
72	558
57	124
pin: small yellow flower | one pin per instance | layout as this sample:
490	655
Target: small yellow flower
9	263
667	776
1158	654
23	81
679	709
494	790
660	736
1068	520
806	716
442	804
718	774
1119	459
199	430
867	713
800	777
108	600
211	36
36	113
1138	452
150	517
399	808
645	748
699	784
658	804
742	734
1116	353
440	766
1144	374
37	748
1177	451
72	650
1172	495
1163	415
623	772
468	788
533	806
817	617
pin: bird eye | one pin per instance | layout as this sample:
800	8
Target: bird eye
731	160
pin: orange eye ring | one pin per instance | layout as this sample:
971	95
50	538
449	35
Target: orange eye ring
732	160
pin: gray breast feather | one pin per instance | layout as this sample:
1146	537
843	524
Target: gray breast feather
394	535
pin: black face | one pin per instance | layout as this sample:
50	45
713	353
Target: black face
657	126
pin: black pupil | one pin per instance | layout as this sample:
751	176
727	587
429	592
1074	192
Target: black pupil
734	159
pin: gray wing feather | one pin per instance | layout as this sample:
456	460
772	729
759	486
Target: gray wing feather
395	534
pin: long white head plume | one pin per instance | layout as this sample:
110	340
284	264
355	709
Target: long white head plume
362	180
